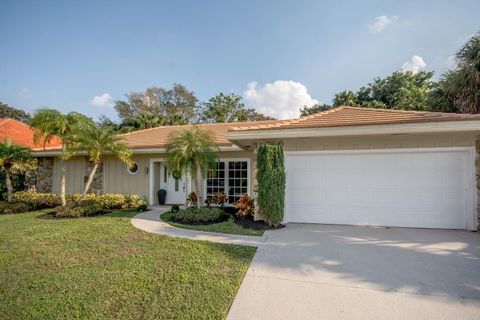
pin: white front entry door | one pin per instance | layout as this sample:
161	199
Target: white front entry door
176	188
404	188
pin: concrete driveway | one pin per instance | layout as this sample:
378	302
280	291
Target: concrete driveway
346	272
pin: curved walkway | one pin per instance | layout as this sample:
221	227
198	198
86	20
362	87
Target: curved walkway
150	221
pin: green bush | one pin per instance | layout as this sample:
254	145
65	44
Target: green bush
13	207
200	215
69	211
175	208
271	183
107	201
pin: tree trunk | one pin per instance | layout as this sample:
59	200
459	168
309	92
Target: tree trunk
62	186
90	178
8	182
197	188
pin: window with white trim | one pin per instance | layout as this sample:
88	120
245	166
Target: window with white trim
230	177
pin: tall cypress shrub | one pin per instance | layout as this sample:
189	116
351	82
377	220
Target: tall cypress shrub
271	182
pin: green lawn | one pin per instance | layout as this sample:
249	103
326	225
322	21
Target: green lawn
104	268
228	226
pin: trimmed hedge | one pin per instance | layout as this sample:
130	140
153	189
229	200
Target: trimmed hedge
106	201
200	215
271	183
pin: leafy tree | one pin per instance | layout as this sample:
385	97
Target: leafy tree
9	112
48	123
345	98
400	90
228	108
97	142
170	106
271	182
143	120
306	110
11	155
192	151
459	89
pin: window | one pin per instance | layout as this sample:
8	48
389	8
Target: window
134	168
216	180
237	180
230	177
165	174
177	184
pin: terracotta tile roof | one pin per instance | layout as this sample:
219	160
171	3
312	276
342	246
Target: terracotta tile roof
354	116
22	134
157	137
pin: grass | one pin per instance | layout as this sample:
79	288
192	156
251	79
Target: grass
228	226
104	268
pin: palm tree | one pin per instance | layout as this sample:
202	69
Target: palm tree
460	88
97	142
11	155
48	123
192	151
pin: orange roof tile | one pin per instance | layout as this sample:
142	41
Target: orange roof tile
157	137
22	134
354	116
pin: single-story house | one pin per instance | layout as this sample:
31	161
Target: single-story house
347	165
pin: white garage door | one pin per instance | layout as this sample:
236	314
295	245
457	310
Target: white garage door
405	188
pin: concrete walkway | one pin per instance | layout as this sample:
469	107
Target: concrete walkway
150	221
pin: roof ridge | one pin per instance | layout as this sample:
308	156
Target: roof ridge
200	124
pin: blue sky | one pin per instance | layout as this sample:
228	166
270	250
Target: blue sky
276	54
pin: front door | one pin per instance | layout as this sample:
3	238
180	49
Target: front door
176	188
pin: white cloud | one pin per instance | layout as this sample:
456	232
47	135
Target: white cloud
414	65
104	100
24	91
281	99
381	22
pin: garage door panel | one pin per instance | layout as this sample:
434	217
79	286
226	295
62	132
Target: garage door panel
406	189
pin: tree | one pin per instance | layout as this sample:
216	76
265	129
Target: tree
345	98
228	108
402	90
11	155
170	106
192	151
97	142
9	112
271	182
316	108
459	89
48	123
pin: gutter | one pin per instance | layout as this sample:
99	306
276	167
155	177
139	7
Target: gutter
54	153
424	127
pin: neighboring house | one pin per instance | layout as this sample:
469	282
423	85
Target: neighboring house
343	166
22	134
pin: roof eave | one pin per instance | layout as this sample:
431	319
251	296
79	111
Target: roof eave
404	128
54	153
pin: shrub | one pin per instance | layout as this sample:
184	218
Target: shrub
175	208
271	183
142	207
69	211
107	201
38	200
13	207
90	207
199	215
220	198
192	198
245	206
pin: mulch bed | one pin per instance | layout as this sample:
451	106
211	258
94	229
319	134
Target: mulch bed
248	222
